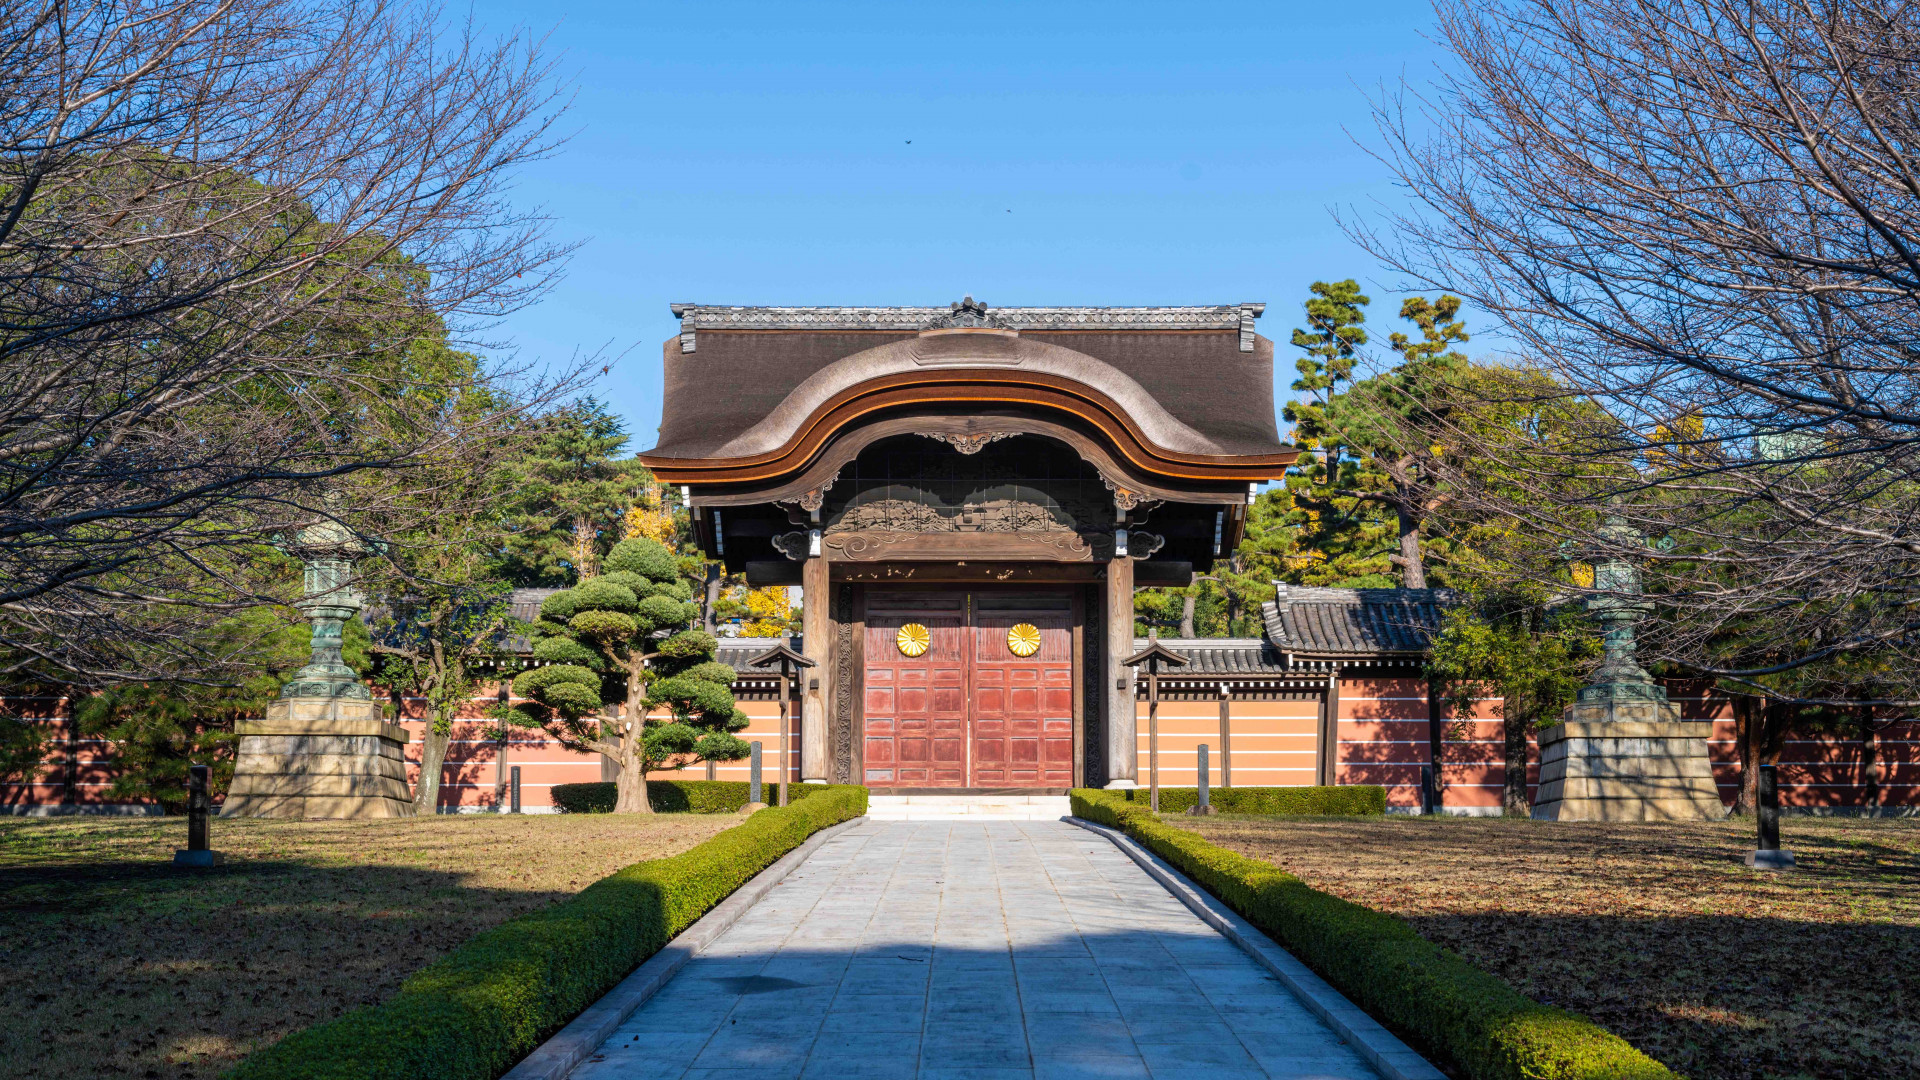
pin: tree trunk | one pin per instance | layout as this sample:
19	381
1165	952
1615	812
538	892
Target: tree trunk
1413	572
632	798
1870	770
1759	734
585	565
1186	617
710	619
631	793
433	758
1513	795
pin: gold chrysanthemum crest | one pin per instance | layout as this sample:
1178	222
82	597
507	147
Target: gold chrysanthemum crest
913	639
1023	639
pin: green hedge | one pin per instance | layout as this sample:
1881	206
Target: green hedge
1452	1011
675	796
1349	800
486	1005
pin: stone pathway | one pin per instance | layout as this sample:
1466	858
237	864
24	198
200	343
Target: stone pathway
949	950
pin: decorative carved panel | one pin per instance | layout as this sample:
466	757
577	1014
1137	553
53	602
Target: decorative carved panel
843	678
946	546
970	443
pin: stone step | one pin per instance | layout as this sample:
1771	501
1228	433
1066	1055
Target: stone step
967	807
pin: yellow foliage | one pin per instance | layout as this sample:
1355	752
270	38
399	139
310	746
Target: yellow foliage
769	612
650	519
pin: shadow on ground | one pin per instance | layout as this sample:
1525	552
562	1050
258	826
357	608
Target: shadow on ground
141	970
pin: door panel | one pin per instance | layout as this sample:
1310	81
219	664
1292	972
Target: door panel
916	707
968	712
1022	706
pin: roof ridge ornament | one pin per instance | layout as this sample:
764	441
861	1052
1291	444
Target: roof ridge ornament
967	314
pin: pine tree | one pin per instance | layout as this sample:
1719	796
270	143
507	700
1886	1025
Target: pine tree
1369	483
625	636
572	498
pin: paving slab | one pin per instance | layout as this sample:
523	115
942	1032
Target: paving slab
943	950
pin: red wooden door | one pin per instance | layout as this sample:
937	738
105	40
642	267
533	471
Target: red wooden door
1022	705
916	706
969	712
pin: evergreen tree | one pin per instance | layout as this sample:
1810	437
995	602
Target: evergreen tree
625	636
572	498
1341	538
1373	476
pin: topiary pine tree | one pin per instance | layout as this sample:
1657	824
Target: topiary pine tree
626	636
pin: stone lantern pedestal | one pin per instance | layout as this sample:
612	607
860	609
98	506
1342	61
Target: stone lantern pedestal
323	750
1626	761
320	758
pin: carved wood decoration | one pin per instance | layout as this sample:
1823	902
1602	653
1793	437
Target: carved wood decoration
922	547
793	545
842	718
970	443
1124	498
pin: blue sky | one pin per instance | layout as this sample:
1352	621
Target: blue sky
838	153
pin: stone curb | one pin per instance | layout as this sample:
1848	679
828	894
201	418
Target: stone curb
555	1058
1382	1049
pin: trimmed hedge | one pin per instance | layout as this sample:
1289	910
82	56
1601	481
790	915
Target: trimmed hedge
1430	996
486	1005
1346	800
675	796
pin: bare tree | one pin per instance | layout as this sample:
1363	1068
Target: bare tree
1701	217
234	238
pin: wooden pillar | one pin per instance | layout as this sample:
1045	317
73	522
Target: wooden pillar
817	627
1123	749
1330	732
1226	735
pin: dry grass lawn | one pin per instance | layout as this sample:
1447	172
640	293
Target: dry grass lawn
120	965
1656	931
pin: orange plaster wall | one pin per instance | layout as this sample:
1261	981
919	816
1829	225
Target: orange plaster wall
1273	742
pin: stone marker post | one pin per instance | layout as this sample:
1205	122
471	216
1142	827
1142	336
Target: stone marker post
1203	803
1621	751
514	783
1769	856
753	774
197	852
324	750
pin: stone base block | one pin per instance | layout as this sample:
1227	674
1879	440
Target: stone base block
320	758
1777	859
185	857
1626	762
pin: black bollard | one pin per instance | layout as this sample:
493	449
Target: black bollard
514	786
197	852
1769	856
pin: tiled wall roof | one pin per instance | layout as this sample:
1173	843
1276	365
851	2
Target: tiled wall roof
1354	622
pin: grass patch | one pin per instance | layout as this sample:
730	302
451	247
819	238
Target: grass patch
473	1014
1655	931
126	967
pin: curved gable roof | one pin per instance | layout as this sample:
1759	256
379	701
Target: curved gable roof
1197	377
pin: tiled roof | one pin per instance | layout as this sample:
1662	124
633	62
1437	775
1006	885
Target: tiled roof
739	653
1354	622
1223	656
1203	317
